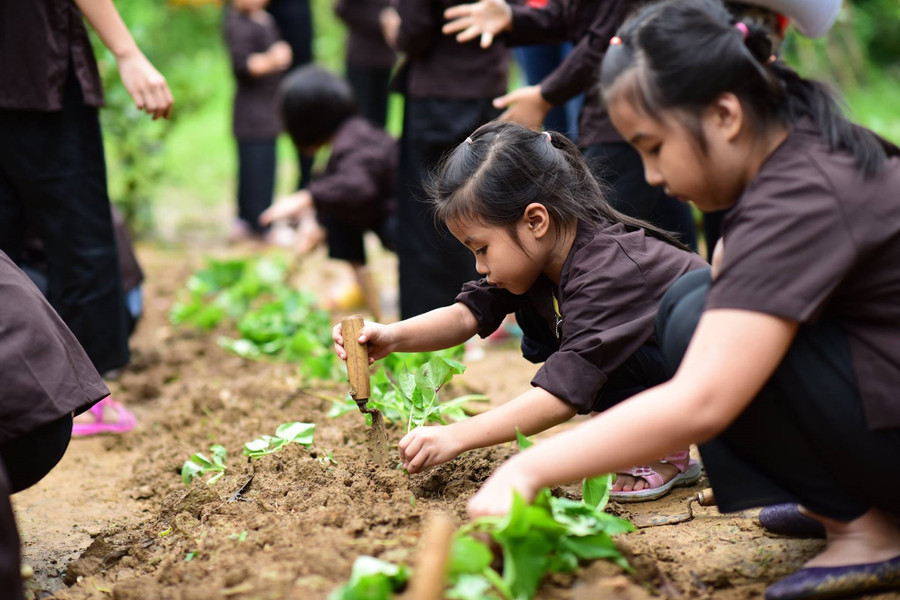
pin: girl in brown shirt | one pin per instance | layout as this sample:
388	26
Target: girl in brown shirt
790	379
545	240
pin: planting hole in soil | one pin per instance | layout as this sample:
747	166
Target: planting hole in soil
360	386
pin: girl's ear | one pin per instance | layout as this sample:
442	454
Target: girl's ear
537	219
727	114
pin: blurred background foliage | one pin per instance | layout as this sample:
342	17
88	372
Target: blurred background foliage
188	163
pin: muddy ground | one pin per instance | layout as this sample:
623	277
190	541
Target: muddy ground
96	527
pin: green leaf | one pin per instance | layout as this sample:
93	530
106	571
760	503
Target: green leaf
471	587
523	441
298	432
468	555
372	579
595	490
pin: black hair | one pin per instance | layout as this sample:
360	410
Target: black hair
683	54
493	175
314	103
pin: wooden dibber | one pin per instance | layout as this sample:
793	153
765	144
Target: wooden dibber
429	576
360	387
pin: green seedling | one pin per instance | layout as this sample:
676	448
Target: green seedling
286	433
372	579
198	465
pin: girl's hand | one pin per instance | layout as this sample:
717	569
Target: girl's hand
525	106
425	447
486	18
717	256
496	495
389	21
146	86
375	335
294	206
281	55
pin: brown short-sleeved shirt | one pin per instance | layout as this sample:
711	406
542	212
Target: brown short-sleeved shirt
256	115
811	239
45	372
359	181
589	24
439	67
366	46
608	294
37	40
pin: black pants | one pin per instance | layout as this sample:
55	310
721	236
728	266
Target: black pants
433	264
10	554
370	86
53	176
804	438
619	166
256	180
27	459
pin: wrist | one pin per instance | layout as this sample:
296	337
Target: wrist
125	50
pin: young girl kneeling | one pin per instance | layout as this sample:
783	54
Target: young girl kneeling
584	280
790	379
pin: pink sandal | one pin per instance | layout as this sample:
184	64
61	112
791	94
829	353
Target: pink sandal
125	420
688	474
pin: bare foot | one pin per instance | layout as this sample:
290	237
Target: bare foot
873	537
627	483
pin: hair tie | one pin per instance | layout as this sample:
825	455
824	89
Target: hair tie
469	141
615	41
549	139
742	27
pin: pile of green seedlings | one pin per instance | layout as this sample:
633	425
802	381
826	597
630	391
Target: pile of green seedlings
273	321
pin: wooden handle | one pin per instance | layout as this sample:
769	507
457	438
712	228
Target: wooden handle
428	579
357	358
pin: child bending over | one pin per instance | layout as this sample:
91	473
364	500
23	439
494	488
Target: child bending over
790	379
355	193
586	282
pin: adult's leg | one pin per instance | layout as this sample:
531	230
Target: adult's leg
370	86
28	458
55	174
433	264
804	438
256	181
619	166
10	553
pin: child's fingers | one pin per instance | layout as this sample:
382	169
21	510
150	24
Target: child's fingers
505	100
458	11
487	38
457	25
469	34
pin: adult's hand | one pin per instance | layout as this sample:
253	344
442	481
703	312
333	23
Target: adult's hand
486	19
525	106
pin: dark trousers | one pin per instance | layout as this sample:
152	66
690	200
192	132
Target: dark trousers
433	264
28	458
53	176
256	180
370	87
619	166
10	554
804	438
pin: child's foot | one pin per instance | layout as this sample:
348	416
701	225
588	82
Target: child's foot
107	416
309	235
650	482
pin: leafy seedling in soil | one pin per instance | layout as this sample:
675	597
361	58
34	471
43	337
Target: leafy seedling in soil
198	465
372	579
296	432
549	535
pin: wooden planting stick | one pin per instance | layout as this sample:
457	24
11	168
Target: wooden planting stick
429	576
360	388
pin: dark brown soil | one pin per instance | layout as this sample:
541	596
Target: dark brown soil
113	520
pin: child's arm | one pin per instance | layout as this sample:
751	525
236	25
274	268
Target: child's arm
146	86
435	330
731	356
532	412
293	206
274	60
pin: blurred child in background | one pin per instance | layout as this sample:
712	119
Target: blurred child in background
369	57
258	59
355	193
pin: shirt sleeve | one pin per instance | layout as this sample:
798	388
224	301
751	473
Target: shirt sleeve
607	314
489	304
581	68
351	180
787	247
240	46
